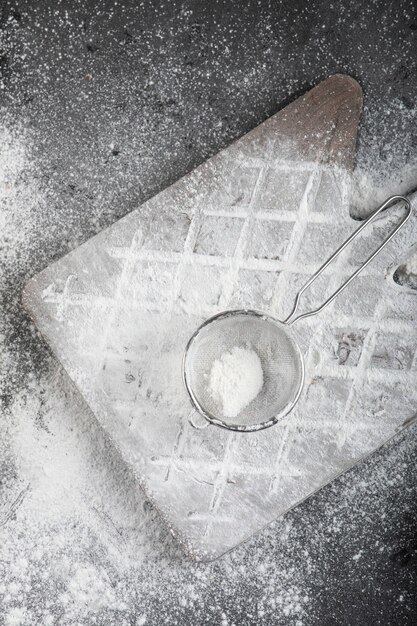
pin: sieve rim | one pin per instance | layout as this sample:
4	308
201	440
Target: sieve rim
217	421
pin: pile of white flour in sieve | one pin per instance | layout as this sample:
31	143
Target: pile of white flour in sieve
236	378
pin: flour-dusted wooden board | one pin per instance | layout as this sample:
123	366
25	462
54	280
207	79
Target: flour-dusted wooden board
242	230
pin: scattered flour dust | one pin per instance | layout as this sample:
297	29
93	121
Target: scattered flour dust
79	543
412	265
236	378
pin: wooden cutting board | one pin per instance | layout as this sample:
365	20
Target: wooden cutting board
242	230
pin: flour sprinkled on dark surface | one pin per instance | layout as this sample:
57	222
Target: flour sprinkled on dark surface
103	104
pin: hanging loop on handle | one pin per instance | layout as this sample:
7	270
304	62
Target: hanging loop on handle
198	421
393	199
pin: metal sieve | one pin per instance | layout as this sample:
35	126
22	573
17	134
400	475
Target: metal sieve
274	343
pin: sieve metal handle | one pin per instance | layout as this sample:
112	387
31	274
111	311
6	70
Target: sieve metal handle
393	199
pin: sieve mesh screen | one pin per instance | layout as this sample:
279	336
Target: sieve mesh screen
279	355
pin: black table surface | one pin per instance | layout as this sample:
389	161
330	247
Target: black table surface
120	99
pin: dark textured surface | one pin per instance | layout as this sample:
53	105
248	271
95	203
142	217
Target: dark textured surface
119	101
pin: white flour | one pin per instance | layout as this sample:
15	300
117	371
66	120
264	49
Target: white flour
78	542
236	379
72	517
412	265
